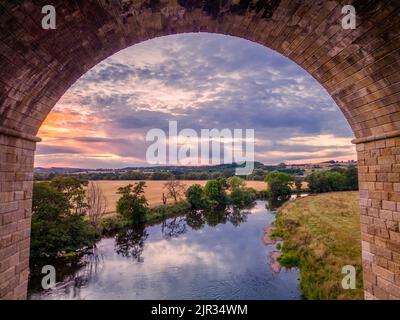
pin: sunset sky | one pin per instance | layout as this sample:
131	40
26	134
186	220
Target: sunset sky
202	81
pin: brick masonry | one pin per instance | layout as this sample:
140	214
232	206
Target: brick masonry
16	164
358	68
379	170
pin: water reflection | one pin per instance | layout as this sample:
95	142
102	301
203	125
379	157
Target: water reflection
72	273
204	255
195	220
237	217
130	242
174	227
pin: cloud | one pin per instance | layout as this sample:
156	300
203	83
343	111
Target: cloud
201	81
49	149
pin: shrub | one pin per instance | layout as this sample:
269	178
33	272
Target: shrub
196	197
279	184
215	193
336	179
57	226
132	205
243	197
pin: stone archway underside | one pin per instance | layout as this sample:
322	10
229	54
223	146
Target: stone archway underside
359	68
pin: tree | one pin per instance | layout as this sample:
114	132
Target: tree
97	203
298	182
195	196
221	179
215	193
132	205
55	225
351	175
175	189
240	196
326	181
74	189
243	197
235	183
279	184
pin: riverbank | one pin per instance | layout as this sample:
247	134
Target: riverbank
153	190
153	216
321	234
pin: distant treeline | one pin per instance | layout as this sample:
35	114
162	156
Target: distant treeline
336	179
257	175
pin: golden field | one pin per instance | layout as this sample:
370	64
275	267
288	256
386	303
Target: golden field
153	191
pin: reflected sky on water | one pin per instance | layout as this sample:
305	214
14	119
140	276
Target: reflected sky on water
214	256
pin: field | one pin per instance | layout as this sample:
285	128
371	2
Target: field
321	234
153	190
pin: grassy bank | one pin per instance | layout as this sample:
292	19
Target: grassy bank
153	216
321	234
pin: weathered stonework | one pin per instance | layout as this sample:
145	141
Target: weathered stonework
16	164
379	169
359	69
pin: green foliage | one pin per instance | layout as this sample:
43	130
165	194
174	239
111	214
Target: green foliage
222	180
132	205
333	180
162	212
112	223
243	197
196	197
58	223
298	182
351	175
289	258
166	173
215	193
235	183
279	184
74	189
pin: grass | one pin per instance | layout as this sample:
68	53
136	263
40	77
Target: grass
321	234
159	213
154	215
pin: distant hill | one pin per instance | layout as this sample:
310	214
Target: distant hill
58	170
219	167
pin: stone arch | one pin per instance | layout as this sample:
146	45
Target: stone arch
359	68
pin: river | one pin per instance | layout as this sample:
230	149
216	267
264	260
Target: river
216	256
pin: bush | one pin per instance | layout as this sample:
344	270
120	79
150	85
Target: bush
334	180
215	193
289	259
160	213
196	197
111	223
279	184
132	205
351	175
57	226
243	197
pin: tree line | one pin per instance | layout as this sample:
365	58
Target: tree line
258	174
68	212
282	185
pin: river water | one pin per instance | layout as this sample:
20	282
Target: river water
213	256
